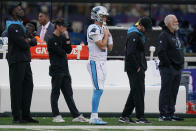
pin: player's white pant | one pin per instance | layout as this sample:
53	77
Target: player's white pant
97	70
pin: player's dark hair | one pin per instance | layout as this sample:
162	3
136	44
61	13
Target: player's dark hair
60	22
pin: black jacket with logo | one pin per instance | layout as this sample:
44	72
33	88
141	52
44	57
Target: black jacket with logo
135	52
18	48
57	49
170	50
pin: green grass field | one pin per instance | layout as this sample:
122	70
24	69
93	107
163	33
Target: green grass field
87	130
112	122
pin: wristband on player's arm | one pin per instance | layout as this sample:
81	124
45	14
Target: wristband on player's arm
67	39
110	43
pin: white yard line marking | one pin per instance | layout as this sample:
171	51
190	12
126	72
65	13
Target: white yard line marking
100	127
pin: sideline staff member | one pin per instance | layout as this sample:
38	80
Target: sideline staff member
135	66
58	46
20	74
170	53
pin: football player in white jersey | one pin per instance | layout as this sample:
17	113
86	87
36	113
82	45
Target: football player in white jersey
99	43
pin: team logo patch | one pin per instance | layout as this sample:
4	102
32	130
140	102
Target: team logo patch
93	30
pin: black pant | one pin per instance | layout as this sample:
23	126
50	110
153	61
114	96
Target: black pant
21	89
62	82
170	82
136	95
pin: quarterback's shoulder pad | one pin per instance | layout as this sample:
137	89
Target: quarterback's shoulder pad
94	29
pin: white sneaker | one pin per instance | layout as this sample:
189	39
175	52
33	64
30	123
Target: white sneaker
97	121
58	119
80	118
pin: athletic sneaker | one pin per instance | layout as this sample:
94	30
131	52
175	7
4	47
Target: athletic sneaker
175	118
80	118
97	121
58	119
29	120
164	118
143	121
126	120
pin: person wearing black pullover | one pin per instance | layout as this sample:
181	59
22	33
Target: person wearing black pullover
20	74
135	66
58	46
170	53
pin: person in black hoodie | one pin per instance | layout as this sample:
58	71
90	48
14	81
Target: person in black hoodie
170	53
192	39
20	74
135	66
58	46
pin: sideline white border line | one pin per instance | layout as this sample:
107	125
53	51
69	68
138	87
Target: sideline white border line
99	127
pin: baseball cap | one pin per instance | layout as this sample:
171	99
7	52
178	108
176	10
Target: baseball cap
146	22
13	6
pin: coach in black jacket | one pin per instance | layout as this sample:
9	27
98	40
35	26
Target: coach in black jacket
58	46
20	74
170	53
135	66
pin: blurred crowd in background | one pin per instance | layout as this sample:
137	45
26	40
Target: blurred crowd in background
78	15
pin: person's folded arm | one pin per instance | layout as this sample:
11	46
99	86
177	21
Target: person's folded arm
101	43
17	35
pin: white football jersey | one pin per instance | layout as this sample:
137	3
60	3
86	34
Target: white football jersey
95	53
